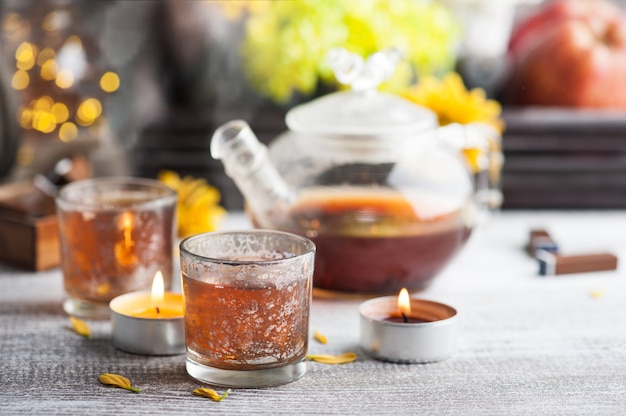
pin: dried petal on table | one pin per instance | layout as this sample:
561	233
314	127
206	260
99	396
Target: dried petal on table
80	327
333	359
116	380
211	394
596	294
319	337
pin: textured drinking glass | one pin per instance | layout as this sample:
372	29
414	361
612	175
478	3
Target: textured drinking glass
115	234
247	302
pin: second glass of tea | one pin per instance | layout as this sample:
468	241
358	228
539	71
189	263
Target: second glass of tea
115	234
247	302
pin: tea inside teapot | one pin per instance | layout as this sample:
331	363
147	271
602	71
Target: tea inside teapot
375	241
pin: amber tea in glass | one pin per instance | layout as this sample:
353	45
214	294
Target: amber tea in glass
115	234
247	301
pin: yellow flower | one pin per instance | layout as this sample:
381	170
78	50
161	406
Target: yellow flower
198	204
453	103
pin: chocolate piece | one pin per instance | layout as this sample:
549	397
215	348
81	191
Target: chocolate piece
540	239
551	264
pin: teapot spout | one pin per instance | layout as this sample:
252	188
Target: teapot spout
246	161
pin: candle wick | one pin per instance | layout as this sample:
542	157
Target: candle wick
404	317
158	311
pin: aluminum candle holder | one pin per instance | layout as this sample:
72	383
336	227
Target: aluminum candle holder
138	328
427	334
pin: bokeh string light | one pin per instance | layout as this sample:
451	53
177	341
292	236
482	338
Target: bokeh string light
60	91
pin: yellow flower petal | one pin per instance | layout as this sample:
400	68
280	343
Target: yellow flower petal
116	380
319	337
80	327
211	394
333	359
596	294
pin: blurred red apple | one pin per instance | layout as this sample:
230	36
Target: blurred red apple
570	53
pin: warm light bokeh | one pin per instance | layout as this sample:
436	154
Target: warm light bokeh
109	82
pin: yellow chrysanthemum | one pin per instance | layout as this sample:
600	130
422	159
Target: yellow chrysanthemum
198	204
453	103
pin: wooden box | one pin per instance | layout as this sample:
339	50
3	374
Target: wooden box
564	159
28	227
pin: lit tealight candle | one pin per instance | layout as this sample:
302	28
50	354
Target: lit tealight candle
407	330
161	305
403	314
149	323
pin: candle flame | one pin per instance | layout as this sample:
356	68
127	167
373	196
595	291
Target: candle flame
404	302
158	288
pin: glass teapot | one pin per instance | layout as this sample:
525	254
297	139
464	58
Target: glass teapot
382	191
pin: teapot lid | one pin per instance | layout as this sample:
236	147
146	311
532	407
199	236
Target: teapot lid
361	111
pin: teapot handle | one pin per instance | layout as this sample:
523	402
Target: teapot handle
480	145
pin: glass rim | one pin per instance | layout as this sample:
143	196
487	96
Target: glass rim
165	192
308	246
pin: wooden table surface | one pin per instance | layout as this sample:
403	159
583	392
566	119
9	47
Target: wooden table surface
529	345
